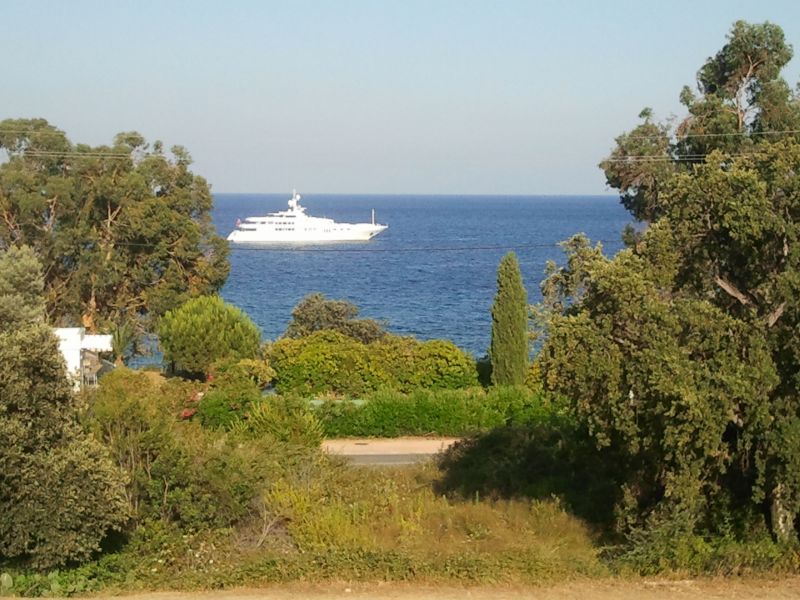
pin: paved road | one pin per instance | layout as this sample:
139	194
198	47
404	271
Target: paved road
387	452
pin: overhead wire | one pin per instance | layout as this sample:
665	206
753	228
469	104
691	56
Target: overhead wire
328	249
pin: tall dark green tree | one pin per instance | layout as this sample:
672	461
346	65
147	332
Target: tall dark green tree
714	280
123	231
509	345
60	493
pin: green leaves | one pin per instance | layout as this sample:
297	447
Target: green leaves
59	492
330	362
205	330
124	232
509	343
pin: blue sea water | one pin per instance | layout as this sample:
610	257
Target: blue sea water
432	274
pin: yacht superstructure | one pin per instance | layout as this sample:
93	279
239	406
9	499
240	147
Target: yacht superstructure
294	225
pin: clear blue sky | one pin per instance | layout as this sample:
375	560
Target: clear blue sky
379	96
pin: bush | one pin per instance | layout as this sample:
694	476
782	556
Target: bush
60	494
317	313
390	413
544	457
179	472
329	361
205	330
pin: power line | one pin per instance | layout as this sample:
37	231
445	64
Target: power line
712	135
680	158
627	136
327	249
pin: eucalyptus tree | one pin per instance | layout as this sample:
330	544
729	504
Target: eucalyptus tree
123	231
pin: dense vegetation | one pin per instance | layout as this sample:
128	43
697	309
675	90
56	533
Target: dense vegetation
680	354
123	232
660	421
318	313
59	492
330	362
390	413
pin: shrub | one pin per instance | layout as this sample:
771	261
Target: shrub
59	493
284	420
390	413
328	361
441	364
317	313
204	330
324	361
179	472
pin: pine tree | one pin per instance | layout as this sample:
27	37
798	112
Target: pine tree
509	347
204	330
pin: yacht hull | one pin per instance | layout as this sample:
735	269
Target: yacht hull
356	233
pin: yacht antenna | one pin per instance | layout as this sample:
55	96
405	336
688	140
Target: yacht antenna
373	216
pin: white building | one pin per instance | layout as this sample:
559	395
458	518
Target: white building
81	354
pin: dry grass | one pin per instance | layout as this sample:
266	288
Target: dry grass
396	510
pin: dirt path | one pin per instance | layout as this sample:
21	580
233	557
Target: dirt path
642	589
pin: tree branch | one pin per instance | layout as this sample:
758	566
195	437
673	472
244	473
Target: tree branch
773	317
732	290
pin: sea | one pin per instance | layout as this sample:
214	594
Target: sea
432	274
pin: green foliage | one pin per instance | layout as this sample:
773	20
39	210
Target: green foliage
59	492
123	230
205	330
123	340
543	457
21	287
328	361
509	345
285	420
317	313
180	473
721	189
221	407
661	380
230	371
421	412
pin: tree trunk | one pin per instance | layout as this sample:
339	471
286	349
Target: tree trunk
782	517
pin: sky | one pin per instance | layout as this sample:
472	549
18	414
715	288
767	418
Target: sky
368	97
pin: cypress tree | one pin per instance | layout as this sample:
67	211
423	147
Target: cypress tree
509	346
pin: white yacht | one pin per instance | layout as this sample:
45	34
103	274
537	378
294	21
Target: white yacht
294	225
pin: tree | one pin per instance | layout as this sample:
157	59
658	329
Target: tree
60	494
509	344
668	384
123	231
205	330
718	272
21	286
743	103
316	313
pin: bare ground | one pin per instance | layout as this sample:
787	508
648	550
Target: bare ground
616	589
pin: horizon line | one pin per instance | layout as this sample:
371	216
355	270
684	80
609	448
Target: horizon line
520	195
